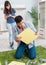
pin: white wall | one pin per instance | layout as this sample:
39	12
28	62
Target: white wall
28	4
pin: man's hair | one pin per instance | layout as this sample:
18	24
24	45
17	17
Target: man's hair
18	19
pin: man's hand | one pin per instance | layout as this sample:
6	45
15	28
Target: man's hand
36	33
18	39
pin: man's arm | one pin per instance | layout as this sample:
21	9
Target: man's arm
17	39
32	26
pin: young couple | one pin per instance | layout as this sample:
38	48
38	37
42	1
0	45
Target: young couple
15	26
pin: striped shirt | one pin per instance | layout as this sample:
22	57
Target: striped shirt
26	25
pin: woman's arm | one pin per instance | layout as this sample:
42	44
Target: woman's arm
15	15
14	11
5	16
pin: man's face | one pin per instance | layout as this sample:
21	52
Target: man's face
21	24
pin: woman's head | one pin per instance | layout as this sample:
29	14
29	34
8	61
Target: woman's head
7	6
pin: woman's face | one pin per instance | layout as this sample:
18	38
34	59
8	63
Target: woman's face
8	7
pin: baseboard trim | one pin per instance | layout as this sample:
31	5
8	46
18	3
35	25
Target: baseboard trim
4	31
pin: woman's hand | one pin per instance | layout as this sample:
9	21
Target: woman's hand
9	15
18	39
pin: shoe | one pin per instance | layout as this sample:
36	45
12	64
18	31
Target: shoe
11	45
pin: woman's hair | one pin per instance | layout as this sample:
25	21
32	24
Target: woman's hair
5	9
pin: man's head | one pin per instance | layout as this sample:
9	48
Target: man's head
19	21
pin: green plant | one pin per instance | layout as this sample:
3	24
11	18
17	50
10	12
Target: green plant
34	15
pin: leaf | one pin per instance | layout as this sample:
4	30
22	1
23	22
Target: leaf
34	14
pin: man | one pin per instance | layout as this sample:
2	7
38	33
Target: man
30	48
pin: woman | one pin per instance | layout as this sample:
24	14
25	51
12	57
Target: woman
9	15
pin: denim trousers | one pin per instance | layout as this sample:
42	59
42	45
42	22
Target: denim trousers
31	52
11	33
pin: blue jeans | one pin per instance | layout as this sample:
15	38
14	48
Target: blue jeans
31	52
11	33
